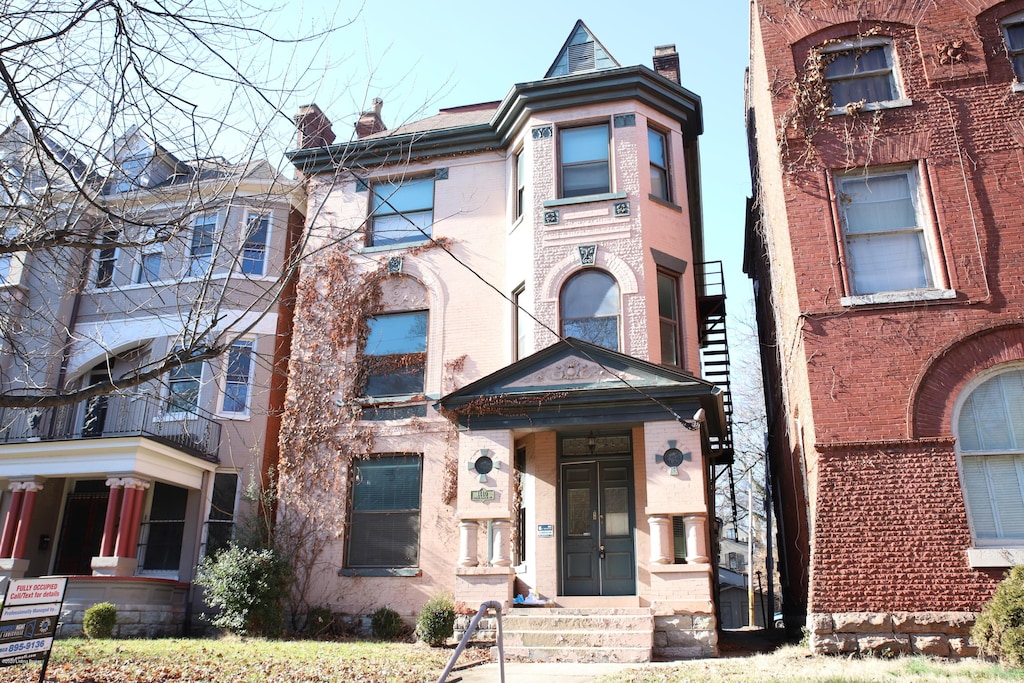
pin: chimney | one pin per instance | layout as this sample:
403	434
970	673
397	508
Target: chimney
314	127
370	121
666	62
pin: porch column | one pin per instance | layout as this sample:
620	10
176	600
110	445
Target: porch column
28	502
133	530
661	527
468	530
501	548
110	521
131	514
696	539
11	520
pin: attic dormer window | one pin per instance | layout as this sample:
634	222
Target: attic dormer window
581	57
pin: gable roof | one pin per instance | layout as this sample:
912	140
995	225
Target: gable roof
573	382
581	52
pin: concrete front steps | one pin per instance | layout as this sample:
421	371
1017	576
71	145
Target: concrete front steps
578	634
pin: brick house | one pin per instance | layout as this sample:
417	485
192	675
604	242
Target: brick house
125	492
494	387
885	246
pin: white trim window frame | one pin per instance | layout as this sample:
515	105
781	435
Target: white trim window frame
201	245
885	231
584	160
401	212
519	170
106	260
658	154
147	269
989	430
1013	35
862	75
237	380
184	389
256	243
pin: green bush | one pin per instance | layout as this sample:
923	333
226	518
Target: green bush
319	621
999	629
386	624
436	622
100	620
247	587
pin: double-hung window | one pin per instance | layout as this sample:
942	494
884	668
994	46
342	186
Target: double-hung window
668	315
583	158
384	523
402	212
1013	30
220	524
590	308
254	250
520	182
395	354
883	231
657	146
238	378
106	259
183	383
990	440
150	261
201	253
862	73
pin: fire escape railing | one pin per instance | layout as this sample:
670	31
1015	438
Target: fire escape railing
714	347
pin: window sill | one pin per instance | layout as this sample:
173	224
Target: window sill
237	417
905	296
381	571
586	199
393	247
997	558
664	202
236	275
175	417
1018	86
854	107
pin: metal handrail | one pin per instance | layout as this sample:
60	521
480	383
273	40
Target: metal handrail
491	604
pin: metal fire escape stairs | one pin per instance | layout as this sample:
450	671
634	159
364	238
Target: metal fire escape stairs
714	349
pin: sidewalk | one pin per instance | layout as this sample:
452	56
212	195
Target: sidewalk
543	672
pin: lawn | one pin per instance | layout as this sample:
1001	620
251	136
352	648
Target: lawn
233	660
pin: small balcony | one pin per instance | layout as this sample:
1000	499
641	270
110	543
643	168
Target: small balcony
190	429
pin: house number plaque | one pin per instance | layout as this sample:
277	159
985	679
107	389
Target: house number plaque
482	495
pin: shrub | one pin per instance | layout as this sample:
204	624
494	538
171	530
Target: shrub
436	622
100	620
319	621
999	629
386	624
246	586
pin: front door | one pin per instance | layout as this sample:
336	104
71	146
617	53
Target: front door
597	528
82	532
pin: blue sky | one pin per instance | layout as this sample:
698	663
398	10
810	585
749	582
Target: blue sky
422	56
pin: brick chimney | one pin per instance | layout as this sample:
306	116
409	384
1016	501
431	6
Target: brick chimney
314	127
666	62
370	121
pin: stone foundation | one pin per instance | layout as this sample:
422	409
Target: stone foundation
937	634
146	608
685	636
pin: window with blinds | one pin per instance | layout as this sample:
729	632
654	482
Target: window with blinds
990	436
384	522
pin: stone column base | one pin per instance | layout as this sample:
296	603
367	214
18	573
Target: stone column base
114	566
13	568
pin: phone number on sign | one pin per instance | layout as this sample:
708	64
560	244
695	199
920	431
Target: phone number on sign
25	646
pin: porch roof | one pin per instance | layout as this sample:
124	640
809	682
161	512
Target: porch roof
573	382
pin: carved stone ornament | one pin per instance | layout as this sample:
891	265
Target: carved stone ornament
541	132
951	52
395	265
551	217
588	254
402	294
571	370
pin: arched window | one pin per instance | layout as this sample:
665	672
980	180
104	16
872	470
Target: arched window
590	308
990	439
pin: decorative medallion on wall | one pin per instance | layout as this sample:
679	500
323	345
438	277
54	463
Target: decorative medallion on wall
951	52
395	265
672	458
483	464
441	173
551	217
588	254
541	132
621	208
624	120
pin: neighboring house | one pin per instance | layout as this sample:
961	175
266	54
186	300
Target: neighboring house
136	485
494	384
884	243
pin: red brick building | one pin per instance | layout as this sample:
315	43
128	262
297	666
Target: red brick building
886	245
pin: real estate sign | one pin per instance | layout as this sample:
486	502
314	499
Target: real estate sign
29	618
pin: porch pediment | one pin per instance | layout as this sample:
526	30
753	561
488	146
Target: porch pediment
575	382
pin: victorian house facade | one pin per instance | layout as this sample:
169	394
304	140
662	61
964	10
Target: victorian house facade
885	246
126	490
495	384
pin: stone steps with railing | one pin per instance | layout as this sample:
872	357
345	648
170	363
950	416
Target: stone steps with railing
579	634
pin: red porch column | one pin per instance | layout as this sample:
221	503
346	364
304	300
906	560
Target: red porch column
25	518
110	521
131	514
11	520
140	497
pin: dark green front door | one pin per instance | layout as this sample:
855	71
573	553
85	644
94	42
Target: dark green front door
597	524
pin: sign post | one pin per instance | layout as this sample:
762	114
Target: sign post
28	620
